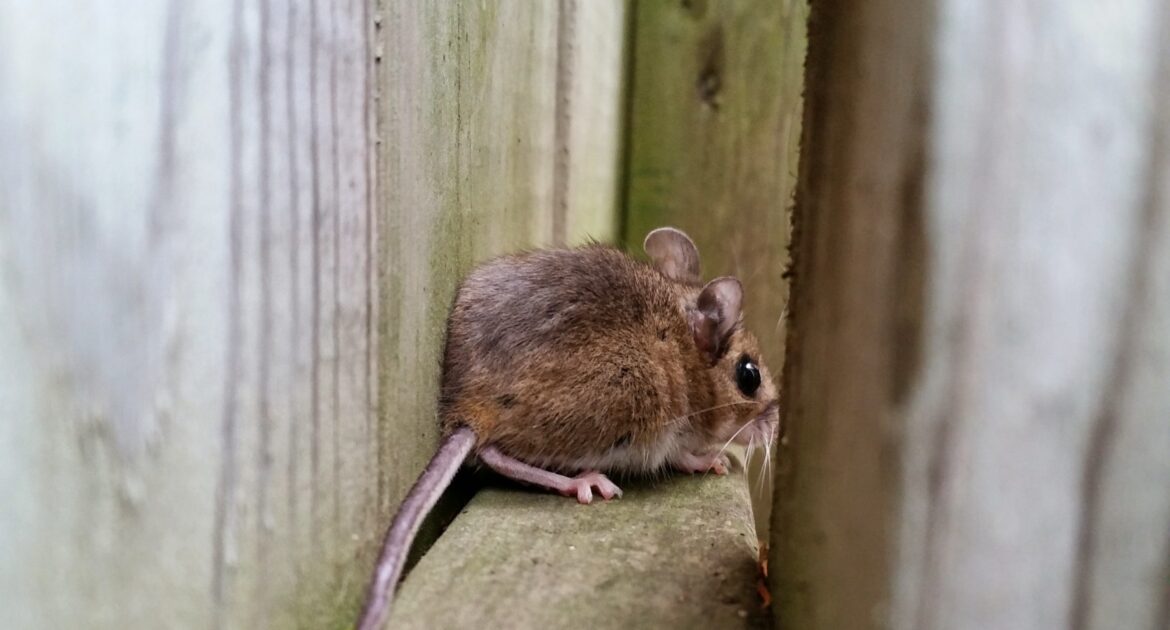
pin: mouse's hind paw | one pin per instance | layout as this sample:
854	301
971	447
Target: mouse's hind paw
580	486
583	484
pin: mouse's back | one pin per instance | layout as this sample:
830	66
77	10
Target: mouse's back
568	358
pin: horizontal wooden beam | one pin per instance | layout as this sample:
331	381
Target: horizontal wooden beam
677	554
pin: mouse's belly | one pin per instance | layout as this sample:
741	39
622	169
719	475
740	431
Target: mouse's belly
576	449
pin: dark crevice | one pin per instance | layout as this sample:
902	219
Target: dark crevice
709	85
910	266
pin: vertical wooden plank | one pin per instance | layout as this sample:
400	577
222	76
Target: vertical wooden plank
715	119
220	334
185	255
974	429
591	62
1044	377
467	121
498	132
856	293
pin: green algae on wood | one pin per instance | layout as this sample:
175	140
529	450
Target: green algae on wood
715	111
677	553
229	234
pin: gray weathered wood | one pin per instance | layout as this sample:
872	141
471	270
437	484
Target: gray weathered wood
187	376
978	358
591	50
220	316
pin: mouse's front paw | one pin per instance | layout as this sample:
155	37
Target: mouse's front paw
583	484
719	464
701	463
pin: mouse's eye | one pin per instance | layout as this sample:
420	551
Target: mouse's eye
747	375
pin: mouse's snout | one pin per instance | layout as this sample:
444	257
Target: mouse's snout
771	413
761	429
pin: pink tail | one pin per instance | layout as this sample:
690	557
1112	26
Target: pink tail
453	450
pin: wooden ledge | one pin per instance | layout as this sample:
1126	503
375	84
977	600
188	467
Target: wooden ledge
676	553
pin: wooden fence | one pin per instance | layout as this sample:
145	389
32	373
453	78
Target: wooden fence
978	384
230	231
229	234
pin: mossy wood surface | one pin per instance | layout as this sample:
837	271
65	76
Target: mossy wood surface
480	113
676	554
229	234
714	125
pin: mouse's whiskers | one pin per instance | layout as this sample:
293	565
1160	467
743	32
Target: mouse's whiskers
783	316
733	436
695	413
766	465
771	443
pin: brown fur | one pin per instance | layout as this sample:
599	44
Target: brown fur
585	358
557	355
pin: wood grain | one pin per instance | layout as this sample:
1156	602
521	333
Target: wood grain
229	233
467	174
188	289
591	110
676	553
979	317
714	126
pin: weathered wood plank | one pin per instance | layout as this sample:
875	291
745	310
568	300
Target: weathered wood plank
679	554
715	120
976	439
469	118
852	327
220	320
591	59
466	117
185	223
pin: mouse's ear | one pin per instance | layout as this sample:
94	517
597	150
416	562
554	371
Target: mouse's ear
715	316
673	253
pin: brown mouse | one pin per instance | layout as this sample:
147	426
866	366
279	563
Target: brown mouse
564	364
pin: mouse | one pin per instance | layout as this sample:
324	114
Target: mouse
563	367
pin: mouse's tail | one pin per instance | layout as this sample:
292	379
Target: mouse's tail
453	450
